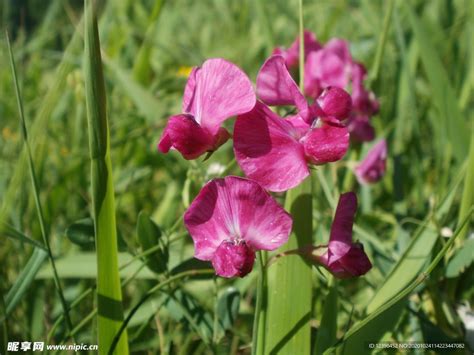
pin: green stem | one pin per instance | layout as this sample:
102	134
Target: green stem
258	333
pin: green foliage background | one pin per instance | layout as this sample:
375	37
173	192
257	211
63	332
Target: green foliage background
425	83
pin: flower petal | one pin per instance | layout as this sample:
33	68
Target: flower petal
360	128
275	86
221	90
354	263
267	149
335	102
233	259
373	167
185	135
235	209
326	144
190	92
340	239
292	54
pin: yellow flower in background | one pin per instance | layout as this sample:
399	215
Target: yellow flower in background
8	135
184	71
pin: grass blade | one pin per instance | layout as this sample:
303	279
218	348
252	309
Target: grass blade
444	96
327	331
24	280
109	293
35	185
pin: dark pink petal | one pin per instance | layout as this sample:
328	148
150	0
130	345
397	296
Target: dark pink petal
185	135
239	211
335	102
354	263
373	167
275	86
233	259
327	69
326	144
267	149
340	239
340	48
360	128
363	101
221	90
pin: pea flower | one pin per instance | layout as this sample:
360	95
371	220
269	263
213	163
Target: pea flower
275	151
291	55
343	258
332	65
374	165
215	92
230	219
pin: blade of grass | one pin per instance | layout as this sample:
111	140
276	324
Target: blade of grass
17	235
109	293
35	185
444	96
327	331
24	279
381	44
141	68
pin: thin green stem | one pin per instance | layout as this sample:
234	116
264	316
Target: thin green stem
381	45
35	185
258	332
301	54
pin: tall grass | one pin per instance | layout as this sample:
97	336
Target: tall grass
109	293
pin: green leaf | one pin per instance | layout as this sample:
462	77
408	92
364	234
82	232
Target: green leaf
327	331
13	233
461	260
149	235
81	232
25	278
228	307
109	291
444	97
290	283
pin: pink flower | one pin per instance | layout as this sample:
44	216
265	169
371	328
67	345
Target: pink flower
373	167
213	93
329	66
275	151
230	219
343	258
292	54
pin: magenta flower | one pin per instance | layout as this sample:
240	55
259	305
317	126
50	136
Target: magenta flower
373	167
213	93
292	54
275	151
230	219
343	258
329	66
364	106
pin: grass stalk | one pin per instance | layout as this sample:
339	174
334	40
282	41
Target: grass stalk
35	185
109	293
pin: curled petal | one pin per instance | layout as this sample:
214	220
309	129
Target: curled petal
326	144
185	135
341	229
335	102
352	264
373	167
267	149
275	86
236	210
233	259
216	92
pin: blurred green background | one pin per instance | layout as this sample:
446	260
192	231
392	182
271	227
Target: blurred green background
425	85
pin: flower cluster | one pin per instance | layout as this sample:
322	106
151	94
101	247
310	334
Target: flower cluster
231	218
